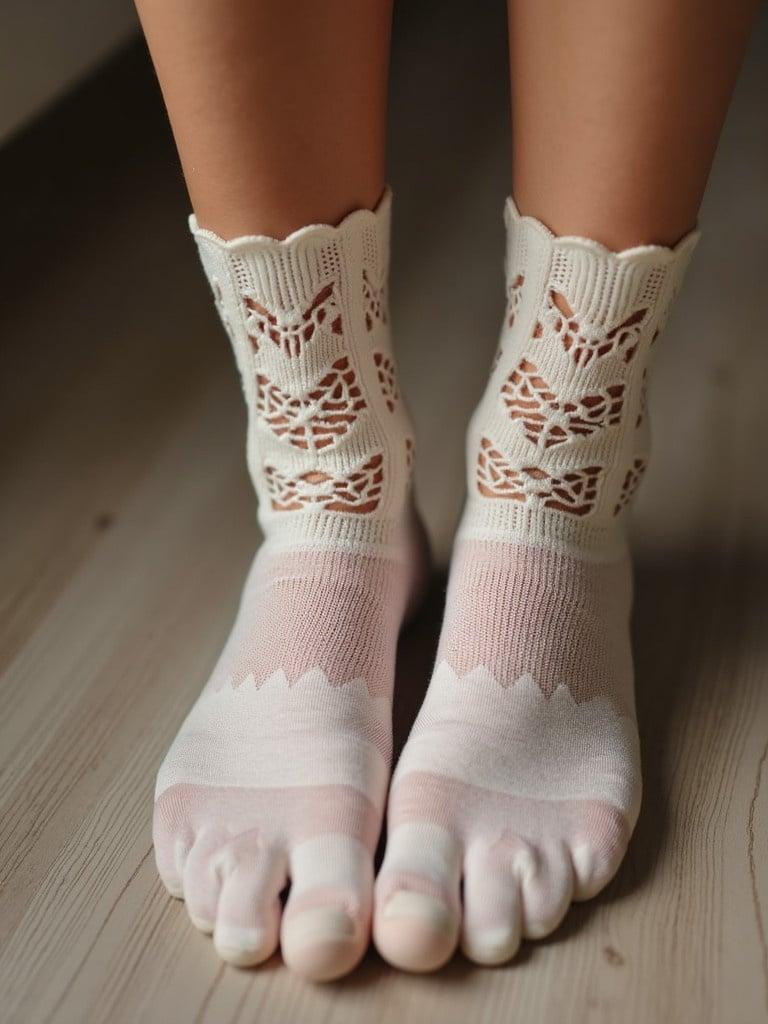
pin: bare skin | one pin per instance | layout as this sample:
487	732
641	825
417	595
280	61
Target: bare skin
278	109
617	107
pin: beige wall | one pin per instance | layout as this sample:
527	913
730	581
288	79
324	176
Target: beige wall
47	45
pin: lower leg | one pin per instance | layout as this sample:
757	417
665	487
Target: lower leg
519	786
616	112
280	770
278	110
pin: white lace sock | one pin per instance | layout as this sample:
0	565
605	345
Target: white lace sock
280	770
520	782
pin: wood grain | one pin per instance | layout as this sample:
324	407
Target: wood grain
128	525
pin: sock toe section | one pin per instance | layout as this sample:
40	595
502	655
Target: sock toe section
597	851
415	932
322	943
202	881
416	925
172	845
244	947
546	889
248	921
492	922
490	947
326	924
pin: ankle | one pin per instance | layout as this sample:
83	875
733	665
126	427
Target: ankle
560	438
330	442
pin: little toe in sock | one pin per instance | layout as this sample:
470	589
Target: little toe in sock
248	918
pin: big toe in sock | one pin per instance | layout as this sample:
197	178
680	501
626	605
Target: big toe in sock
327	921
416	925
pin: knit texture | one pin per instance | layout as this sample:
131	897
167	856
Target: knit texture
280	770
519	786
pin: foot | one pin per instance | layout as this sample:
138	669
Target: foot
279	773
519	786
280	770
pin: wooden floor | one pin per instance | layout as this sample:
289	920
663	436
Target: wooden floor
128	523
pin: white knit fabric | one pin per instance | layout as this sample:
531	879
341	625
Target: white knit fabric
308	321
567	391
280	770
522	769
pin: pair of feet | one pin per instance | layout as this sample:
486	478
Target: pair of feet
508	801
519	785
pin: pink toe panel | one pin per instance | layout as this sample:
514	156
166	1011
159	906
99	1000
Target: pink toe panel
472	812
280	817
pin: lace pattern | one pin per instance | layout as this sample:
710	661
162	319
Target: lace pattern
573	493
545	419
308	320
291	330
630	484
514	298
564	427
358	493
387	379
374	302
318	418
585	341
